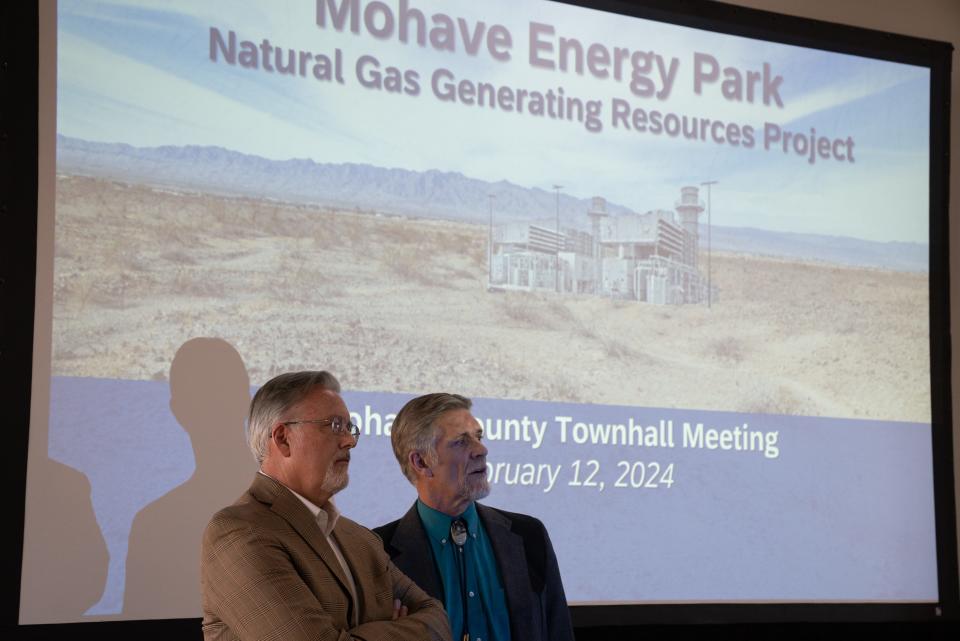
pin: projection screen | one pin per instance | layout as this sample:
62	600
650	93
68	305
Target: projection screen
684	276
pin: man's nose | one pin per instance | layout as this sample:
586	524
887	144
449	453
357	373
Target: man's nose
479	449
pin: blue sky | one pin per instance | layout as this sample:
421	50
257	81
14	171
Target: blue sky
139	73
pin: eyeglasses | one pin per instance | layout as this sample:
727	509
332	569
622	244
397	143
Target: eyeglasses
337	425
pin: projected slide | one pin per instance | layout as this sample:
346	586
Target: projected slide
683	275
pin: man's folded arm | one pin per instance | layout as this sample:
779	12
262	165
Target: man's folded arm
252	586
426	618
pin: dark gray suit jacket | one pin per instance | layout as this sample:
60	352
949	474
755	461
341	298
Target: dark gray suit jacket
528	568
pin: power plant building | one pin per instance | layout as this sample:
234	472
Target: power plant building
650	257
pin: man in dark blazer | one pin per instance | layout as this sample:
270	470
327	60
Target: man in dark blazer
502	581
281	563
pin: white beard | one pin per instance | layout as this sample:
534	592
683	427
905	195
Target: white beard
336	479
474	490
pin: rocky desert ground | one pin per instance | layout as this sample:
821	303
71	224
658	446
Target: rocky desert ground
397	304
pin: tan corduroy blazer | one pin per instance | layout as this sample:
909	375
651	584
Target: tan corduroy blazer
268	572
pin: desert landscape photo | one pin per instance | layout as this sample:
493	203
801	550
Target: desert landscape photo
395	302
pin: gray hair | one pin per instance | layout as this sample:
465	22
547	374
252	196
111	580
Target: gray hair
275	398
414	428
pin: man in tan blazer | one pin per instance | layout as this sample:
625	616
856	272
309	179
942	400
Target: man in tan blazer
281	563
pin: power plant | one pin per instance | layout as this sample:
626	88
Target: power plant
650	257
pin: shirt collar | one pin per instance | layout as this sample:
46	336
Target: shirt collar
437	524
326	515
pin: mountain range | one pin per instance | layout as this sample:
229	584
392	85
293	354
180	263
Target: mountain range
428	194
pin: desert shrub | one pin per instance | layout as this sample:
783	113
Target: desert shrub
562	390
618	349
179	257
560	313
475	248
728	348
777	400
583	329
522	308
459	272
410	264
402	232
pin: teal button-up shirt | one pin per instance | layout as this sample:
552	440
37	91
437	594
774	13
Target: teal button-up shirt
486	601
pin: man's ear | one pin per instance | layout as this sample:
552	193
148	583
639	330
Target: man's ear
281	439
419	465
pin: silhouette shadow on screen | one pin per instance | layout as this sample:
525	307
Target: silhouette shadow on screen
209	396
65	557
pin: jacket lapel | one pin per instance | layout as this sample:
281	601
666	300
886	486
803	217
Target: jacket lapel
512	562
357	552
413	555
283	503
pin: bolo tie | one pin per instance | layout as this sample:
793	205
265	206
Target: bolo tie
458	534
